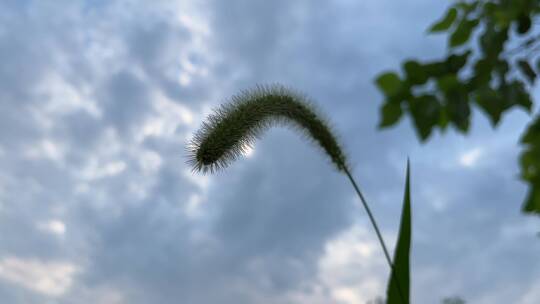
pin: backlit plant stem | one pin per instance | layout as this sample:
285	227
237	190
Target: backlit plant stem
233	127
377	231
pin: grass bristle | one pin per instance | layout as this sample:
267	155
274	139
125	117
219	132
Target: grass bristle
233	127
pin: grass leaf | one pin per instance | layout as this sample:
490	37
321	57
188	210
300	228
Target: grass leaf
398	286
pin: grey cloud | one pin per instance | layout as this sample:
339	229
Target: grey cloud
265	221
126	100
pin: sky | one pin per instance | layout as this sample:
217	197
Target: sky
97	204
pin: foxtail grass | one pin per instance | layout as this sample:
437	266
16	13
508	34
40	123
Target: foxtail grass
233	127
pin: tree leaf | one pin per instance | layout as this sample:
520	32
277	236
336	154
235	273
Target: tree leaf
530	166
445	23
527	70
448	82
532	202
524	24
398	286
492	41
491	103
436	69
467	8
463	32
501	67
459	110
415	72
443	119
516	94
425	112
503	16
530	173
390	114
532	135
389	83
482	73
454	63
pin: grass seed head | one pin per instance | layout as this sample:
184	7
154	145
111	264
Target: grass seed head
233	127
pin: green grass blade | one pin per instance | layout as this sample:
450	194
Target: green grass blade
398	286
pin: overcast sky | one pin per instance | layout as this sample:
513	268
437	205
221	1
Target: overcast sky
98	100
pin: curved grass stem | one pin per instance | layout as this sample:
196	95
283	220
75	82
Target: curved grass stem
234	126
377	231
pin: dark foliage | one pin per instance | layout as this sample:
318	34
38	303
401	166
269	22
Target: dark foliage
492	64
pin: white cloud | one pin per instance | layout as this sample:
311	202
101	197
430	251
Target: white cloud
46	149
351	267
166	120
48	278
54	226
62	97
150	161
94	170
194	23
471	157
193	206
201	180
532	295
184	79
84	45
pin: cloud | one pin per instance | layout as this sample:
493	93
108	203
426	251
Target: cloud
52	278
56	227
99	100
469	158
